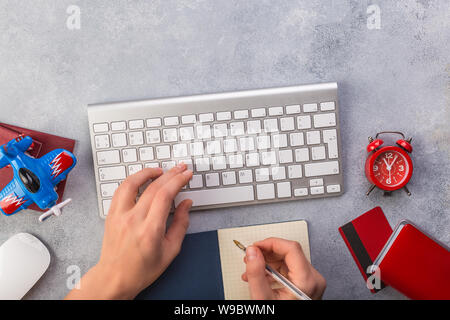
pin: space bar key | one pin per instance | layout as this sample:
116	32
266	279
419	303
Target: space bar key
217	196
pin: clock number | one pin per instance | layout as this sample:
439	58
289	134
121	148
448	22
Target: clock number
388	155
401	168
388	181
375	168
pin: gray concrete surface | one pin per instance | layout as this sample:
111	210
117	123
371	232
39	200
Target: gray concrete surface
396	77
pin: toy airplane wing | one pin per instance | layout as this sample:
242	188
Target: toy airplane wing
57	164
13	199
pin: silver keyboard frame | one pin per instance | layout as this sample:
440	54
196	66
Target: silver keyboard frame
228	101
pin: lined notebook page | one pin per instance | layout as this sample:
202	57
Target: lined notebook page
231	257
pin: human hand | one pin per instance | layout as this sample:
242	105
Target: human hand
288	259
136	247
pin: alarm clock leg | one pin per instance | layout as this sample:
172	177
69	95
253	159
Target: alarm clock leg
406	190
370	189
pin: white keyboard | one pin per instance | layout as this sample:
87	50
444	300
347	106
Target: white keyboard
244	147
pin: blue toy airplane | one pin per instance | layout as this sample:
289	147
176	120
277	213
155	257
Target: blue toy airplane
34	180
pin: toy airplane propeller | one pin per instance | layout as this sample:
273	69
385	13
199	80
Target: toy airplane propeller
34	180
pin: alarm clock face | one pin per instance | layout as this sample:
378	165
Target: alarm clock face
391	169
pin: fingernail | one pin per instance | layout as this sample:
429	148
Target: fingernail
181	165
187	172
251	253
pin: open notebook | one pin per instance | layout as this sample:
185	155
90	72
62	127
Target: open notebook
210	266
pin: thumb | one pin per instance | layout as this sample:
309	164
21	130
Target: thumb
256	273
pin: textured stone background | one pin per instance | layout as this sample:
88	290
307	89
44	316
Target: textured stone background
397	77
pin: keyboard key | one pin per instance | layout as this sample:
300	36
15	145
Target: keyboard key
235	161
333	188
327	106
146	154
237	128
263	142
171	121
118	126
262	174
151	165
196	181
278	173
321	168
223	116
330	137
179	150
228	178
316	182
258	112
270	125
196	148
295	171
310	107
287	124
100	127
154	123
106	204
245	176
206	117
254	127
170	135
112	173
108	157
134	168
316	190
212	179
136	138
301	155
167	165
217	196
102	141
285	156
303	122
129	155
220	130
203	132
275	111
188	163
241	114
252	159
293	109
229	145
284	189
119	140
153	136
300	192
313	137
136	124
202	164
318	153
162	152
279	140
296	139
213	147
324	120
268	158
265	191
219	163
186	133
246	144
108	189
189	119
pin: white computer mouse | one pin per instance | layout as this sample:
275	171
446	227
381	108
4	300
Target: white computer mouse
23	260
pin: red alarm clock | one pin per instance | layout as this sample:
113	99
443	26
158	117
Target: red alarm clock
389	167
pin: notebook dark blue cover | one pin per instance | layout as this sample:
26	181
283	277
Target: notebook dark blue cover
194	274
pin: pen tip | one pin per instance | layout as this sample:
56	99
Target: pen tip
239	245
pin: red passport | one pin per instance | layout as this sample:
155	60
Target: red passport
42	144
415	264
365	236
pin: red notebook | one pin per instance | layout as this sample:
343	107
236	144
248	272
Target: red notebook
42	144
415	264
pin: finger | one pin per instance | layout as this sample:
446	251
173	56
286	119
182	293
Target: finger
290	251
159	210
179	226
256	275
148	195
125	196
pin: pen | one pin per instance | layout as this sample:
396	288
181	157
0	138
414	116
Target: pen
279	277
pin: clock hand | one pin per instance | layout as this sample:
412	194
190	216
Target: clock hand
387	164
395	158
